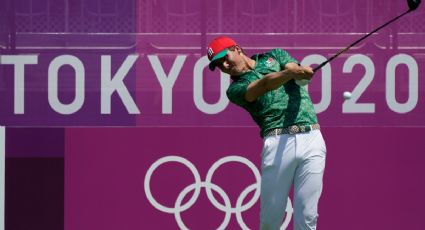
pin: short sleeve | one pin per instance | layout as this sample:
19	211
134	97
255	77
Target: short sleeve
283	57
236	92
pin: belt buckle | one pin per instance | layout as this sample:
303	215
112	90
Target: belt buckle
308	128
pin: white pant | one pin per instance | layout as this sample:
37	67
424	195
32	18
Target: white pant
288	160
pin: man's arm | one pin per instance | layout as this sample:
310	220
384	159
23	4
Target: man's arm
274	80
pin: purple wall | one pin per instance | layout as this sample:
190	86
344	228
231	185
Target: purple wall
372	180
57	167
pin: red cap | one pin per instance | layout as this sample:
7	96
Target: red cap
218	48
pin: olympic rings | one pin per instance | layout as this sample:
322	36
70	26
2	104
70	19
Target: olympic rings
209	185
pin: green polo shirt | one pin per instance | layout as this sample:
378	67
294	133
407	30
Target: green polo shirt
287	105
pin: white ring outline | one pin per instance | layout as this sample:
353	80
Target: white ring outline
239	208
250	165
220	191
197	183
241	197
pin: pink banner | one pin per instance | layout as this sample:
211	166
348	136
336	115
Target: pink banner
206	178
154	87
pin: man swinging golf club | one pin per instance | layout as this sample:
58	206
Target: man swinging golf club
294	151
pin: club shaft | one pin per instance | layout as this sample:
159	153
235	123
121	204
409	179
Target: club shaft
359	40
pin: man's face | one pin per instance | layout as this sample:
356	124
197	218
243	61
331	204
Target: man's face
233	63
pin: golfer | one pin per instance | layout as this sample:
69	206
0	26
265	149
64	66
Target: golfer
294	151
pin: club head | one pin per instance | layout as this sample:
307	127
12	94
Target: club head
413	4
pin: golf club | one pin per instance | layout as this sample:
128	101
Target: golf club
413	5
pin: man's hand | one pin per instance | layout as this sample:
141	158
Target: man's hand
298	72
